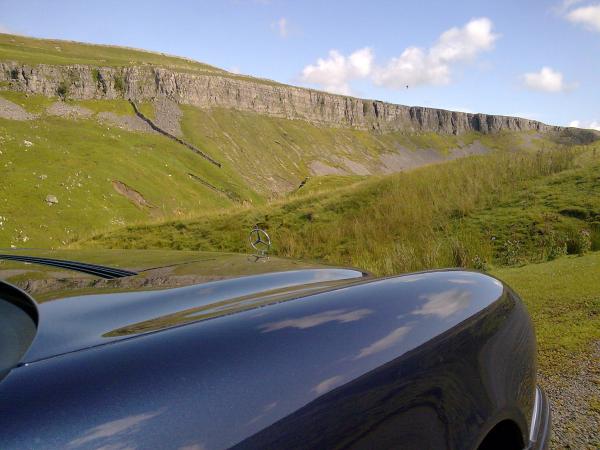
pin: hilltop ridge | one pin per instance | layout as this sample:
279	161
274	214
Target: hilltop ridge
118	72
208	90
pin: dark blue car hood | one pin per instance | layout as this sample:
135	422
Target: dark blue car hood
346	362
79	310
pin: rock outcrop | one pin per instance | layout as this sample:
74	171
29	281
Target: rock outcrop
140	83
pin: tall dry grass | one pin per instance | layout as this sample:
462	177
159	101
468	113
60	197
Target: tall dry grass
403	222
409	221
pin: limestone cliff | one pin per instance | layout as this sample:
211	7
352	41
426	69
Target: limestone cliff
250	94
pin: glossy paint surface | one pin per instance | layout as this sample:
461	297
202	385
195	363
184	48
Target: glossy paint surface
84	321
429	360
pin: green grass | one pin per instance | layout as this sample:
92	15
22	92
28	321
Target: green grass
563	298
117	106
276	154
58	52
435	216
33	51
263	158
147	109
551	216
325	183
36	104
77	162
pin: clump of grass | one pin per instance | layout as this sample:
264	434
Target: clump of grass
63	89
579	242
96	76
119	84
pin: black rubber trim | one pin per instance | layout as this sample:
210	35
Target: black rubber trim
92	269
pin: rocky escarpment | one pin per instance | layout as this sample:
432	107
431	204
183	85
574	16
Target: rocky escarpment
250	94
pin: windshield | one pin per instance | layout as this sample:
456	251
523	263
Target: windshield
18	325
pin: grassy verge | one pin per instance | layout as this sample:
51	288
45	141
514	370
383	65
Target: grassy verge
563	298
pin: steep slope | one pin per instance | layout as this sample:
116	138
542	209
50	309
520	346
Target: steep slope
500	209
69	171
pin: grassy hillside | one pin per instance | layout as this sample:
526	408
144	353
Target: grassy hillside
275	154
105	175
499	209
78	159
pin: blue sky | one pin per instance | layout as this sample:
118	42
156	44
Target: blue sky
537	59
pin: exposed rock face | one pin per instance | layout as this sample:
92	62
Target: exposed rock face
51	199
168	116
65	110
130	123
250	94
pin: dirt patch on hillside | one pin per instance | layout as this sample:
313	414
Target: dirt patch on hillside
355	167
168	116
405	159
134	196
318	168
129	123
530	138
62	109
476	148
12	111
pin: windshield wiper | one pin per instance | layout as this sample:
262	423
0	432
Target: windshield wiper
92	269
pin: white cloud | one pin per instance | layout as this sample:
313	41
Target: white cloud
3	29
460	44
109	432
444	304
335	72
282	27
546	80
593	125
565	5
416	66
384	343
328	384
412	68
588	16
301	323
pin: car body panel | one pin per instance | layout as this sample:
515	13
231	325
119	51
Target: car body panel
72	323
427	360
